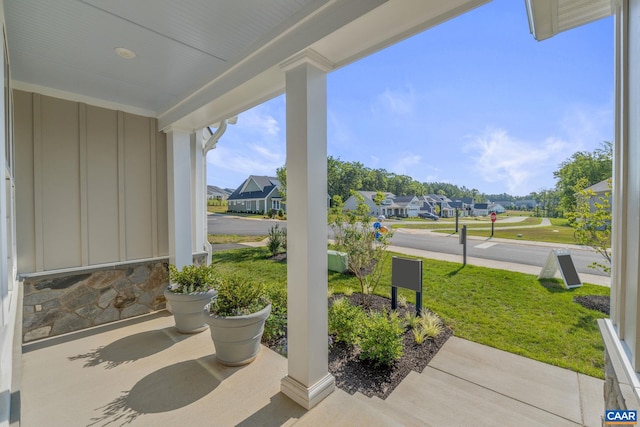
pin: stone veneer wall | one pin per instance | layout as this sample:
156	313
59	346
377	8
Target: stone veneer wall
613	398
57	304
619	391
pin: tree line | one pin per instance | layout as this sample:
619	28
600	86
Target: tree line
576	173
344	177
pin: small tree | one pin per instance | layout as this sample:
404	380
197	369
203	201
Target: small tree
592	224
277	240
366	246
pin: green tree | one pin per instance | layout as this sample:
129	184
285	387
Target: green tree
281	173
378	198
366	246
592	223
580	171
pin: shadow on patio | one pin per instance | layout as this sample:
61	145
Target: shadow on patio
143	372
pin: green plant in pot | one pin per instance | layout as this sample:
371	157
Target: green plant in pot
236	319
190	290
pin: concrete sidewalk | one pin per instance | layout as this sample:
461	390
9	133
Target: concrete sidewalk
141	372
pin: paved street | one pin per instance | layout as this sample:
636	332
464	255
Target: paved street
504	250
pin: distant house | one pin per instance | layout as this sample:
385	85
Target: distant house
257	194
497	208
427	205
525	204
442	203
601	190
480	209
217	193
507	204
392	205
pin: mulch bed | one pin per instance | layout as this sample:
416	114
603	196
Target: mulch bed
354	375
594	302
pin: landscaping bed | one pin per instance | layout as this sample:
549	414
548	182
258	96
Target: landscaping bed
355	375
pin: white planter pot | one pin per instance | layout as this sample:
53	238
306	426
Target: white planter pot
187	310
237	338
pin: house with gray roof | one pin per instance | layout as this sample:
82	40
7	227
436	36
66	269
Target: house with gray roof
392	205
257	194
217	193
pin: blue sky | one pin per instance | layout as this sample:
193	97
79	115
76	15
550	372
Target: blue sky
476	102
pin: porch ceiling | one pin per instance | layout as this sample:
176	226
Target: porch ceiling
197	61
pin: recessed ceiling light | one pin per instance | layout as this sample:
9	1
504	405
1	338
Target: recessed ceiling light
125	53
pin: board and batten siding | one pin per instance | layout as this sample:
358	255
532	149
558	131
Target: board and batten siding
92	185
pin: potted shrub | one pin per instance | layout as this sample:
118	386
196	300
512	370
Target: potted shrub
189	291
236	319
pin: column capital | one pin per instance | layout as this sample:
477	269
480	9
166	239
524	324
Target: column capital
308	56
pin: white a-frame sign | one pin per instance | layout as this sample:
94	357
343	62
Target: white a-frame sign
560	259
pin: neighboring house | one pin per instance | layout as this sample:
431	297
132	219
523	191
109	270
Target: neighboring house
404	206
427	205
601	190
392	205
351	203
507	204
480	209
497	208
257	194
525	204
463	205
443	203
217	193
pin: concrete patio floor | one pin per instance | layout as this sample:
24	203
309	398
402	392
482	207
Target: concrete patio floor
142	372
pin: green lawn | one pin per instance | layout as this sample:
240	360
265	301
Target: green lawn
506	310
551	234
233	238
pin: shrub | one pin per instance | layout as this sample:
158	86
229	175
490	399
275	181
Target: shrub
276	324
192	278
239	296
346	321
277	240
381	340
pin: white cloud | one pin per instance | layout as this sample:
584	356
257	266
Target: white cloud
253	146
403	164
587	126
397	102
499	158
259	121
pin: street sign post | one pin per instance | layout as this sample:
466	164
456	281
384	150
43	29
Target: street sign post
493	220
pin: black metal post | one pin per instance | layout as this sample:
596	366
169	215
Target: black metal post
464	245
492	228
394	298
456	220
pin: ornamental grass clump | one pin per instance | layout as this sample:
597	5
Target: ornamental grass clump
192	278
238	296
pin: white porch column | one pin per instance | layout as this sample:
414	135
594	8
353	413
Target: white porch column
179	197
199	193
621	332
308	380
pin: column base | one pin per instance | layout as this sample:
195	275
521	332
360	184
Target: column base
308	397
